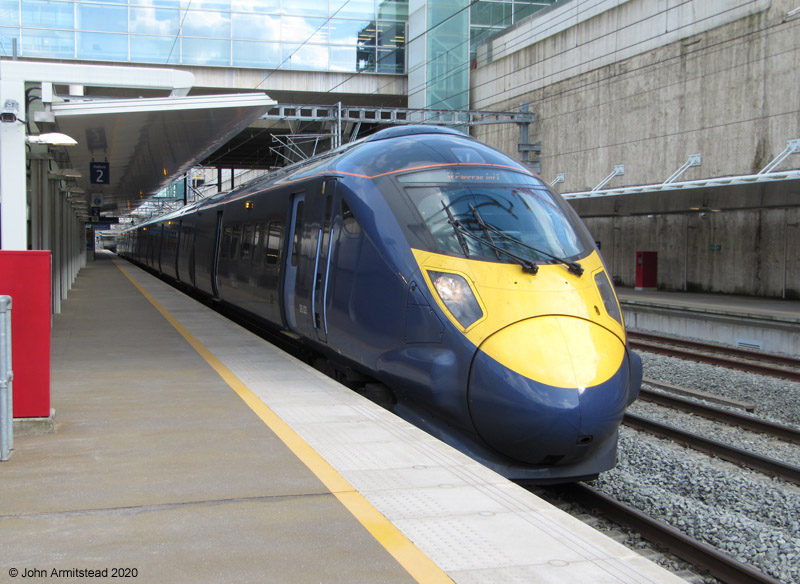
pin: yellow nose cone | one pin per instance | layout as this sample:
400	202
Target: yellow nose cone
560	351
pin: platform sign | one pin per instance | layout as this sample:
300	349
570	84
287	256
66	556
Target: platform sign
99	173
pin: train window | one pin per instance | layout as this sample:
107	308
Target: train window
226	242
298	232
351	224
186	238
326	226
247	243
236	239
274	239
257	229
172	240
257	234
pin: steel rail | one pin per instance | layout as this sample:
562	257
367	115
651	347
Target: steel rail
730	362
699	554
786	433
697	394
783	360
735	455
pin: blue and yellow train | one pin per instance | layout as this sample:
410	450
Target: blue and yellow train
424	261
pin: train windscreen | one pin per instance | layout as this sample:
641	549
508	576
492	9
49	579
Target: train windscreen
496	215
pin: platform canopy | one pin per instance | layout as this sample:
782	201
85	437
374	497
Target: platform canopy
146	144
124	147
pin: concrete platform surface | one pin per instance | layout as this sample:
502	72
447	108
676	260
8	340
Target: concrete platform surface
189	450
771	325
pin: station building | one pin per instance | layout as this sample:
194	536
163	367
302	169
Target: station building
672	127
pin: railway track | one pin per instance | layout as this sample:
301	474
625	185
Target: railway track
701	555
730	453
732	357
710	412
672	497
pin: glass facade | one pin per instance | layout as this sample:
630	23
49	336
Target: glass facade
488	17
453	31
324	35
447	79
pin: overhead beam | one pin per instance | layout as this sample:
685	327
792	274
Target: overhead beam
177	82
379	115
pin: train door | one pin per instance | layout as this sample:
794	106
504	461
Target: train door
185	260
153	246
322	264
144	256
158	247
215	257
306	265
292	259
191	244
178	241
148	248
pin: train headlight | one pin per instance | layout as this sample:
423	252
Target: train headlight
457	296
608	296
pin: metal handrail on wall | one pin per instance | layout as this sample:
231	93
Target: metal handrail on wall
6	378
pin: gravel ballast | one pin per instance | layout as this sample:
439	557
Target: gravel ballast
752	517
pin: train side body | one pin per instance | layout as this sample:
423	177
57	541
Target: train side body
387	259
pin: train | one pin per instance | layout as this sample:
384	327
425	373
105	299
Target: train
440	271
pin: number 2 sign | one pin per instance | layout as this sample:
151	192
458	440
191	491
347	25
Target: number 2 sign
98	173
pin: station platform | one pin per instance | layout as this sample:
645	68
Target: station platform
768	309
771	325
189	450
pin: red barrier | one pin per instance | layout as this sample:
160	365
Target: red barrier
25	276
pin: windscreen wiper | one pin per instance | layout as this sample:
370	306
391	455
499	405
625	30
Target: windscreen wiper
573	267
528	266
485	230
451	220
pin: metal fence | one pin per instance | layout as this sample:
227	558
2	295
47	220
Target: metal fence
6	378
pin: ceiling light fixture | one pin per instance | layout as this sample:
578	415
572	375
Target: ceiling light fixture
52	139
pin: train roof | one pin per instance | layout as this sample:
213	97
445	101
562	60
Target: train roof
387	151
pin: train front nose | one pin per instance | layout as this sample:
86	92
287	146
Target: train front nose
549	390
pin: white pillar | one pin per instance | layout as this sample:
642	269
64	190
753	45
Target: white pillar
55	258
13	199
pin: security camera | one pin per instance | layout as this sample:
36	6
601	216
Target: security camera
10	112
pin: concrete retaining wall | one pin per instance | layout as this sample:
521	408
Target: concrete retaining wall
647	83
753	252
723	87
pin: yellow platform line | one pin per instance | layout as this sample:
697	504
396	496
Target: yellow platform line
415	562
